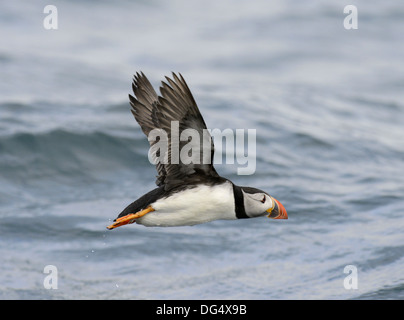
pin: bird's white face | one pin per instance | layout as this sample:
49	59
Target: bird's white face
261	203
257	204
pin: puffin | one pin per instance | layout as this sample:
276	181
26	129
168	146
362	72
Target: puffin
188	192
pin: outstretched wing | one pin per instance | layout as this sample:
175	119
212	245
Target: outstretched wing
176	113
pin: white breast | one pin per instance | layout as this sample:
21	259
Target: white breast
193	206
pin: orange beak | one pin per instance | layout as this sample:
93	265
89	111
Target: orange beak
129	218
278	211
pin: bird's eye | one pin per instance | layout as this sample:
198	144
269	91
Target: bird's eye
263	199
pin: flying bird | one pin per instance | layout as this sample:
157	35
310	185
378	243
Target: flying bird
193	192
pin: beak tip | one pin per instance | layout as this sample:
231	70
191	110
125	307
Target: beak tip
282	214
282	211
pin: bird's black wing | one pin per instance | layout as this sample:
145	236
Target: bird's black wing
175	104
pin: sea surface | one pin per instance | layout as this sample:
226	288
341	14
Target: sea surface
327	104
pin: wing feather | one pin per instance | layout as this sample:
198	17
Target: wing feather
175	103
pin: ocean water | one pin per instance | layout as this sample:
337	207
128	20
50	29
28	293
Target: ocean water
328	107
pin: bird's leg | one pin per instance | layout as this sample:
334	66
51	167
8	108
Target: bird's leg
129	218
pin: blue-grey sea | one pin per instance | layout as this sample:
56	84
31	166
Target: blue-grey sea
327	104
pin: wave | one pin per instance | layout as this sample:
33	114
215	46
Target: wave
29	155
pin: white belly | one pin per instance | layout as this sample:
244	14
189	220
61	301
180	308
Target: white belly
194	206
